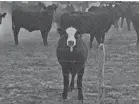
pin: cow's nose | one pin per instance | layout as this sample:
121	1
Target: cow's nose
70	43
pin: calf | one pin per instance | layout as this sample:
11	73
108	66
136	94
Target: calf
32	19
96	24
72	54
2	16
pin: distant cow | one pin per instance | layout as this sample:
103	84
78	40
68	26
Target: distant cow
32	19
60	10
2	16
72	54
123	6
85	5
132	13
109	10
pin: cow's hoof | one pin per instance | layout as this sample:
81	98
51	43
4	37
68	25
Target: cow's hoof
71	87
80	97
90	46
80	101
64	95
45	44
16	44
64	101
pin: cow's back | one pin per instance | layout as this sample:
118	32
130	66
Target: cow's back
31	20
82	21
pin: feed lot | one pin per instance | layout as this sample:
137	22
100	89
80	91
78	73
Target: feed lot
30	73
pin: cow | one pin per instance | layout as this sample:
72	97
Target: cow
122	9
2	15
85	5
96	23
132	13
33	19
60	10
80	5
72	54
104	9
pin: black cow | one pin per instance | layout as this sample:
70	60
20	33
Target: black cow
95	23
113	12
123	6
32	19
2	16
132	13
60	11
72	54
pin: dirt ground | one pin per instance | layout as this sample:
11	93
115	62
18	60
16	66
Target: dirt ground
30	73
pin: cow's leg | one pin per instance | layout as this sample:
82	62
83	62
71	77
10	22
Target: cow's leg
91	39
16	31
103	37
128	21
65	82
101	59
79	85
72	81
116	24
44	34
137	31
122	21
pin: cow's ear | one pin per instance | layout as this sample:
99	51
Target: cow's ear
61	32
3	15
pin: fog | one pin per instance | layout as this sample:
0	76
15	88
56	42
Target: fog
6	28
6	33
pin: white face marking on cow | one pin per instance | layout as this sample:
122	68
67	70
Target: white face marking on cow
71	41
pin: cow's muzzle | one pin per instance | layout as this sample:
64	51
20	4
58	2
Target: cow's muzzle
71	44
